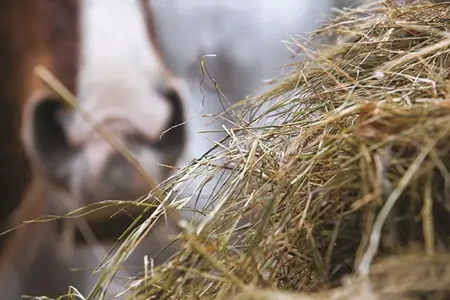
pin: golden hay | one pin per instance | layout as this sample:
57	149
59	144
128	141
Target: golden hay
346	195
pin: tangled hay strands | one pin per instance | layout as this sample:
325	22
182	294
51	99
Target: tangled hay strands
389	280
350	177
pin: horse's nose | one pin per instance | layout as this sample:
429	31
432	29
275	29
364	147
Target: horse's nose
87	161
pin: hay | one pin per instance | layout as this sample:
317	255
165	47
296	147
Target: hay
345	195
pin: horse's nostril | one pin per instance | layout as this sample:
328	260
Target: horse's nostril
174	135
44	136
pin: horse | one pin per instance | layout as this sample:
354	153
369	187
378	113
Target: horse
104	52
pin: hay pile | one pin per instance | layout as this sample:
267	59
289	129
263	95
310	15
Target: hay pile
347	194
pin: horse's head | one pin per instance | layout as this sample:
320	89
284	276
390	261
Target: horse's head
105	53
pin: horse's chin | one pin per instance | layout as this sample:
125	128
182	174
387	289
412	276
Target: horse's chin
118	180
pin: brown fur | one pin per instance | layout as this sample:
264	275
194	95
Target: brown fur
18	50
61	38
22	191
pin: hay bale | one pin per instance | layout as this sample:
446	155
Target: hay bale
345	195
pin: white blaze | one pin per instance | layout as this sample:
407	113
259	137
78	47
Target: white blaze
120	75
